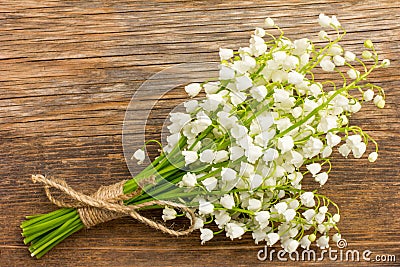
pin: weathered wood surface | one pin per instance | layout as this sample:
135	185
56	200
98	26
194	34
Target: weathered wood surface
68	70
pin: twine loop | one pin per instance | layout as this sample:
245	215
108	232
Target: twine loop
107	204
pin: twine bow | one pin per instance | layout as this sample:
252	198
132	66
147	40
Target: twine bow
107	204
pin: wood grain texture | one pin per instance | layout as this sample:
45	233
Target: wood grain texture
68	70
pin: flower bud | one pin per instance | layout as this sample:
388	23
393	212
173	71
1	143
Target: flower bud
379	101
312	237
269	22
368	44
336	218
373	157
366	54
386	63
322	35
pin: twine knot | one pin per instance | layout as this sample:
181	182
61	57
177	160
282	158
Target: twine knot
107	204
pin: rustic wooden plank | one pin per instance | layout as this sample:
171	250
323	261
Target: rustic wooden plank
68	70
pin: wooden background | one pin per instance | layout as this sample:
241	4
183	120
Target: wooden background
68	70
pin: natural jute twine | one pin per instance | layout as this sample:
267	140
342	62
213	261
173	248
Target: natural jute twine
107	204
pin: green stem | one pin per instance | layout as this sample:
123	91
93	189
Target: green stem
44	217
69	228
47	225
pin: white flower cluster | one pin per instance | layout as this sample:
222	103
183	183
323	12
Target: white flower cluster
265	124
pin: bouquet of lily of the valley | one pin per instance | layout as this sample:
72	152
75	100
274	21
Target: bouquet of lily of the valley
235	160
